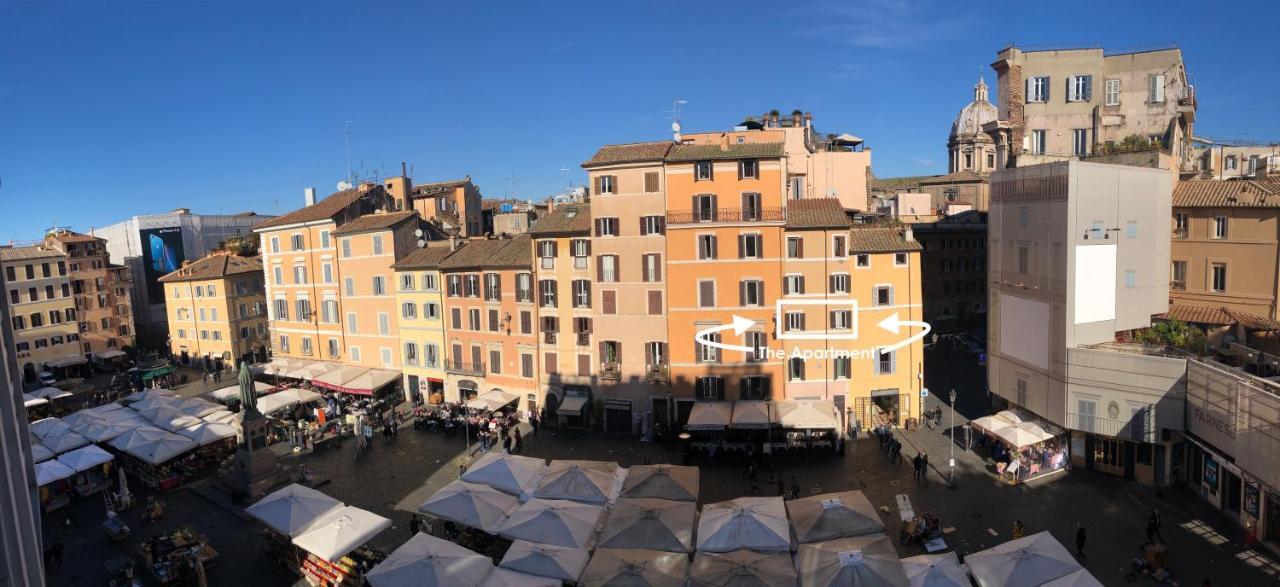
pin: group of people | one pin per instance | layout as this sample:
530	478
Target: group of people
891	446
1030	461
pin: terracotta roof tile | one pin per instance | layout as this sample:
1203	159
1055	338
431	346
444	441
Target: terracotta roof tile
691	152
491	253
1250	193
321	210
957	177
24	253
214	267
428	257
816	213
629	153
880	239
436	187
1219	317
70	236
374	222
565	219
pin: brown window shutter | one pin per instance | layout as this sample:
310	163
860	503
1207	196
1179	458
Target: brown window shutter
600	269
599	224
801	284
617	268
475	356
608	301
526	365
643	231
495	362
655	302
742	246
584	365
657	267
617	350
651	181
742	293
549	365
648	354
706	294
697	213
715	247
525	319
800	248
599	182
457	353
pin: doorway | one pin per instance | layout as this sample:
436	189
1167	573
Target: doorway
1110	455
1231	491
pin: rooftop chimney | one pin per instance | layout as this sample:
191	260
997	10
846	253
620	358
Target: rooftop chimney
309	196
909	235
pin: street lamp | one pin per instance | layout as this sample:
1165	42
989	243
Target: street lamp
951	464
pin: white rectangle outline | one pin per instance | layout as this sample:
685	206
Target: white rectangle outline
779	333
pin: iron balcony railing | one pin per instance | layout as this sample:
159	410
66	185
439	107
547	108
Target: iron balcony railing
1137	429
464	367
1178	284
727	215
610	371
1180	232
659	373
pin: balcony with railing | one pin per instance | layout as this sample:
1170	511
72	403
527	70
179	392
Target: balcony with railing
678	217
610	371
464	368
657	373
1178	284
1180	232
584	339
1137	429
549	338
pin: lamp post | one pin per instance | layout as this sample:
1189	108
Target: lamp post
951	464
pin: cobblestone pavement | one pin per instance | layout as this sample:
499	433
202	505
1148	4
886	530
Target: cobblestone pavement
393	477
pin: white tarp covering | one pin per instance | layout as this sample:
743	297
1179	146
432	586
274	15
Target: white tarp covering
179	423
152	397
48	427
935	570
233	392
672	482
756	523
65	442
291	510
710	416
85	458
77	420
308	370
152	445
511	474
337	533
104	408
222	417
807	414
1029	561
753	415
109	354
833	515
198	407
494	399
279	366
562	523
1080	578
206	433
31	401
501	577
50	471
283	400
39	453
1023	434
623	567
861	561
157	412
656	524
50	393
545	560
427	561
595	482
742	567
470	504
102	429
68	361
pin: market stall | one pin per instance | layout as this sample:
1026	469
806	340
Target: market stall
862	561
52	477
470	504
231	394
510	474
593	482
47	427
501	577
655	524
809	423
742	567
357	380
330	541
291	510
549	521
284	400
756	523
615	566
92	467
40	453
492	400
707	423
670	482
426	560
63	442
833	515
545	560
149	394
155	456
936	570
177	557
1022	446
197	407
215	442
1023	562
37	407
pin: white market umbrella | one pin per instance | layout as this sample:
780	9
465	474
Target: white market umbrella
807	414
286	399
558	522
935	570
179	423
833	515
52	471
545	560
636	567
756	523
149	394
152	445
198	407
470	504
595	482
670	482
31	401
160	413
48	427
742	568
233	392
40	453
511	474
1025	562
77	420
85	458
427	561
710	416
337	533
50	393
104	408
153	401
1023	434
221	417
206	433
65	442
1080	578
656	524
494	399
861	561
501	577
753	415
292	509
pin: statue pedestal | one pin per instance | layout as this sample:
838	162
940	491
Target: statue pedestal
255	471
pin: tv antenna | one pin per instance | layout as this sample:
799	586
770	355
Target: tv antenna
346	127
564	178
674	115
515	184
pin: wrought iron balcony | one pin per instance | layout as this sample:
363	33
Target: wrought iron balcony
659	373
610	371
1178	284
727	215
464	368
1137	429
584	339
1180	232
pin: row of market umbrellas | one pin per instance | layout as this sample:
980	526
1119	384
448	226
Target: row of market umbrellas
1017	428
759	414
68	464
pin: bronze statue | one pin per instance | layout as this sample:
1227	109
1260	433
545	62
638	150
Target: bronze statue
248	396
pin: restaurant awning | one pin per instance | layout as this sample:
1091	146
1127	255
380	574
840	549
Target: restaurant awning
494	399
68	361
109	354
753	415
807	414
356	380
31	401
233	392
269	404
307	370
572	405
709	416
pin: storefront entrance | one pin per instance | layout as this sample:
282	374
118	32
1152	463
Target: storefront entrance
1271	522
1230	491
1112	456
617	416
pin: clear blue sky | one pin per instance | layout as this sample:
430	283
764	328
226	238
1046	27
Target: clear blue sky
114	108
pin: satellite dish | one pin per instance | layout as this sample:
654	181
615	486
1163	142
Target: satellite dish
421	243
417	233
344	185
675	126
675	137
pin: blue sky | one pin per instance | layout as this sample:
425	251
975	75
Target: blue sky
114	108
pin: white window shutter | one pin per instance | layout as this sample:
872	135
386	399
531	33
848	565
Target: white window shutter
1030	85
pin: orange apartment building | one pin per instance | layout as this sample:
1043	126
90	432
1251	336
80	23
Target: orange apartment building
455	204
491	331
102	294
629	246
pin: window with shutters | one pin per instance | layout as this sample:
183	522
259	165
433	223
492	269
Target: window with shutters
281	309
492	287
606	184
608	302
707	353
275	246
455	318
1038	88
329	311
473	319
703	170
748	169
429	282
410	353
751	293
1155	92
526	322
606	227
793	284
384	324
581	293
547	254
841	367
300	274
654	302
495	361
1112	97
454	289
297	242
709	388
706	246
326	272
839	283
795	247
526	365
581	250
379	285
1080	142
1038	139
430	355
524	287
794	321
900	259
886	363
547	292
655	354
841	319
884	295
751	207
550	364
651	267
607	269
1080	88
284	343
750	246
471	285
839	246
706	293
795	369
303	306
863	261
333	348
377	244
758	342
704	208
652	225
651	182
495	324
797	187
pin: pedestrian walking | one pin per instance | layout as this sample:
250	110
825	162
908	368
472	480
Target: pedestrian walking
55	552
1080	537
1018	530
782	488
915	467
534	421
1153	527
414	525
795	488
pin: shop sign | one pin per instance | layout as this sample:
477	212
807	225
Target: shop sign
1251	496
1211	474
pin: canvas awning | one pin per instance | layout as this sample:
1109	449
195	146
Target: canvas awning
233	392
552	521
545	560
935	570
206	433
109	354
152	445
753	415
50	393
807	414
64	442
153	402
572	405
356	380
52	471
292	509
493	400
307	370
40	453
48	427
501	577
198	407
756	523
622	566
1024	562
470	504
222	417
742	567
1023	434
149	394
655	524
99	429
337	533
68	361
671	482
283	400
31	401
179	423
427	561
864	561
511	474
85	458
595	482
710	416
279	366
833	515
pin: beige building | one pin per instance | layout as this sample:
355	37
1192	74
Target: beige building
1063	104
1233	161
43	311
217	311
817	165
455	205
101	291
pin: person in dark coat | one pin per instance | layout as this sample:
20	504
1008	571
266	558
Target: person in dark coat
1080	538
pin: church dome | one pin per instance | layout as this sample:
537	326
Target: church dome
974	114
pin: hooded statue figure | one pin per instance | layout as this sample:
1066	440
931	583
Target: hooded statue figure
248	399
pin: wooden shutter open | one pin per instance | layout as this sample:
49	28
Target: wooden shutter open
655	302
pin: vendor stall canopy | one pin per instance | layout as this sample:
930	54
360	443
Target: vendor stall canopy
553	521
655	524
621	566
1029	561
671	482
286	399
52	472
85	458
863	561
492	400
595	482
545	560
337	533
755	523
742	567
833	515
427	561
292	509
471	504
936	570
512	474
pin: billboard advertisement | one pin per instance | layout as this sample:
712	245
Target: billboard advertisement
161	254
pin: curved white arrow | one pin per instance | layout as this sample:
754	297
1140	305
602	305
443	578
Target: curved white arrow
738	326
893	323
